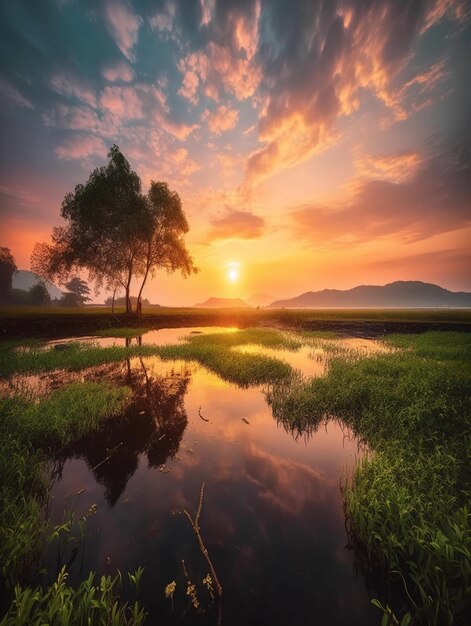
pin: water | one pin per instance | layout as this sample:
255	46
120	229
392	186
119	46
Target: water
272	516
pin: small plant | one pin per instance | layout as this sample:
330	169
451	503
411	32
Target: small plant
170	590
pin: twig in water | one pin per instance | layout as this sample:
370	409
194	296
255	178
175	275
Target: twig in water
196	528
203	418
110	452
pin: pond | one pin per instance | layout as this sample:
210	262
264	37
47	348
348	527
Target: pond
272	515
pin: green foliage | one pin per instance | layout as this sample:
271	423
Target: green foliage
213	351
94	603
72	356
7	269
38	295
27	430
408	503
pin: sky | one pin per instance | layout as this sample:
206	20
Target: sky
314	143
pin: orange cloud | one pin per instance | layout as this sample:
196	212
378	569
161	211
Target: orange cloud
236	225
395	168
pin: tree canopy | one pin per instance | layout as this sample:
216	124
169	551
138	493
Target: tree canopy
7	269
116	232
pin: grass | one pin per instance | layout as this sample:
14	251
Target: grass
93	603
294	315
407	503
72	356
28	432
210	350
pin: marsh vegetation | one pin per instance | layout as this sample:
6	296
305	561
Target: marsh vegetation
120	433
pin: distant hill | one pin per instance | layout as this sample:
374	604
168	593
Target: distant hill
260	299
24	279
222	303
398	294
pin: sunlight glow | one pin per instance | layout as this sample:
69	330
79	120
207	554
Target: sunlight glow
233	272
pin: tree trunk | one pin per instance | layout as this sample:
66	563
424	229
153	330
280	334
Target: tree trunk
128	298
112	303
138	307
128	301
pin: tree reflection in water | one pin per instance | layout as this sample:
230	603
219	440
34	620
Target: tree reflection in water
153	424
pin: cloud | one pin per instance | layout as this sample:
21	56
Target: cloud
72	118
81	147
236	225
221	119
394	168
73	87
123	102
436	200
119	72
123	25
9	93
163	21
227	63
320	60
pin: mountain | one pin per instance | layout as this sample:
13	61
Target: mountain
222	303
260	299
398	294
24	279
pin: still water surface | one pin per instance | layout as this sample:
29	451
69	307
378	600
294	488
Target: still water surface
272	516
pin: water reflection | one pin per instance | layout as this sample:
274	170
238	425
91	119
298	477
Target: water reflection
153	425
272	519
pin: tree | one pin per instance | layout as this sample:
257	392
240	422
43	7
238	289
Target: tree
7	269
38	295
106	220
79	289
164	245
115	232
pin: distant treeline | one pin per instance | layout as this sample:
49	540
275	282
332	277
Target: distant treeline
122	301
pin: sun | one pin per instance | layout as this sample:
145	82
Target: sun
233	272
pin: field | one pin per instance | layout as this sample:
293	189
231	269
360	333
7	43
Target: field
406	503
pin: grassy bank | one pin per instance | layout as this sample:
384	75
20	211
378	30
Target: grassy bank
408	504
30	432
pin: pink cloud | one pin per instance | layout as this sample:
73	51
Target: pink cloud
123	102
71	86
123	25
163	21
81	147
118	72
221	119
218	70
72	117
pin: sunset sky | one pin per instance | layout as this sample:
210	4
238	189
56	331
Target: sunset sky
315	144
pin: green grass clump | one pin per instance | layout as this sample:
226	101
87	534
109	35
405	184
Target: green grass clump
72	356
94	603
265	337
213	351
28	431
408	503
